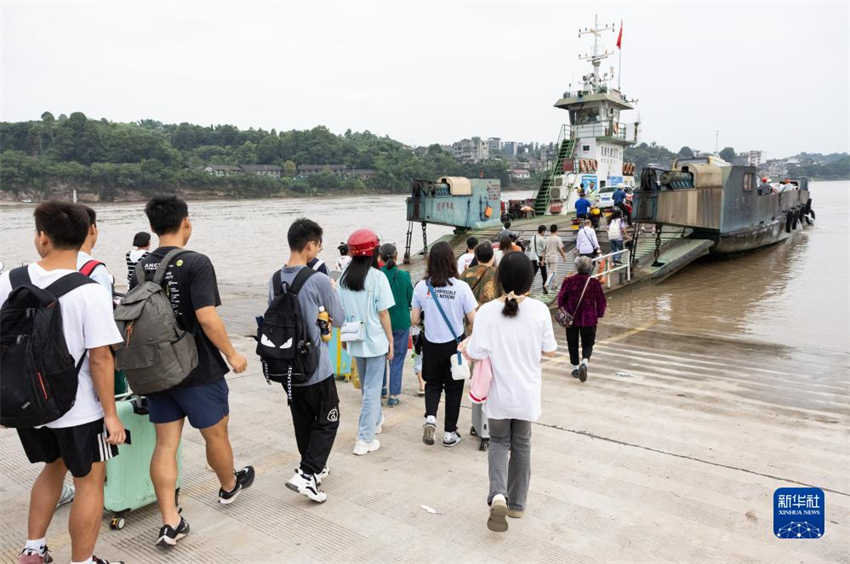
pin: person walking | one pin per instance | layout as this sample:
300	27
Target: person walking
87	434
553	253
446	301
582	297
513	332
202	398
484	281
402	289
366	299
587	244
616	235
466	258
314	404
536	252
582	206
141	247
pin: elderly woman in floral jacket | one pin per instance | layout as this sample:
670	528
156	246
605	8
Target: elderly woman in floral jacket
582	297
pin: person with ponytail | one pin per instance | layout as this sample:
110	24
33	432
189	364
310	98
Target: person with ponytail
402	289
513	332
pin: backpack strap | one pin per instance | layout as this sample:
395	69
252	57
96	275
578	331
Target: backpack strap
163	264
303	275
67	283
89	267
277	285
19	277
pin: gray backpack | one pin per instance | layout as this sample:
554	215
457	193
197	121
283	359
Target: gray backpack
157	354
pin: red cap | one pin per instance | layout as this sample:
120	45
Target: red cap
363	243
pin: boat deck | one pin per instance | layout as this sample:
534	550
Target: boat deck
670	452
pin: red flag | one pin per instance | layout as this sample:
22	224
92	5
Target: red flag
620	37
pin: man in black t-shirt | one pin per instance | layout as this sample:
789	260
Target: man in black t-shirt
190	284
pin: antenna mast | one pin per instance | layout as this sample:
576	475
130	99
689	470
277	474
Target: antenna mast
596	58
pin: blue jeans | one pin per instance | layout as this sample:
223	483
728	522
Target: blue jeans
371	371
400	339
617	246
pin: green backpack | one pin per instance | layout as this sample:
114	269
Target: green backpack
157	354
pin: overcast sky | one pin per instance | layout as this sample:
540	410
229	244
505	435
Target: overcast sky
768	75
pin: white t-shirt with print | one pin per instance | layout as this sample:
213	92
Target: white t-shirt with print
514	346
87	323
457	300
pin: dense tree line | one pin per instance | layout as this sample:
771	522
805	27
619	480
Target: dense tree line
106	156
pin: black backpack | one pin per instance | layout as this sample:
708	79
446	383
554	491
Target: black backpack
283	341
38	376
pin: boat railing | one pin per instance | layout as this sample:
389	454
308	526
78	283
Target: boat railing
604	269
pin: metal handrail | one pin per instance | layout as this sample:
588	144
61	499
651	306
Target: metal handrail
625	264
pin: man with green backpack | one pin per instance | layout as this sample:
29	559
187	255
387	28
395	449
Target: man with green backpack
188	280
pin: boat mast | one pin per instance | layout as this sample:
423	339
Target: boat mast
596	58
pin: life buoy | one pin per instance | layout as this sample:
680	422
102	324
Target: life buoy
603	266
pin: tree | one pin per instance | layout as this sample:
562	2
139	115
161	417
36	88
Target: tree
268	150
686	153
727	154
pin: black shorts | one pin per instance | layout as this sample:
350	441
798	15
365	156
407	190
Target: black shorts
79	447
436	360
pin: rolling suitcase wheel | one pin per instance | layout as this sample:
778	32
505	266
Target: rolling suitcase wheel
117	523
484	445
473	432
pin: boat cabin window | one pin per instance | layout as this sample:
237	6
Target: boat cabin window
749	180
585	148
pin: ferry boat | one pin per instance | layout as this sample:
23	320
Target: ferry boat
591	146
723	203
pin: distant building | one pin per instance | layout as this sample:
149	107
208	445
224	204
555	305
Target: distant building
749	158
509	148
222	170
471	150
339	169
308	169
263	170
494	145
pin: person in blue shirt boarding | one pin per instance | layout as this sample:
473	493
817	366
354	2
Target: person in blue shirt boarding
619	197
582	206
366	298
445	301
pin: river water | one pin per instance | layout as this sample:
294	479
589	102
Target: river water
795	294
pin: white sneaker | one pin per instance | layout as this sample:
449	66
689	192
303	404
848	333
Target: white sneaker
450	439
362	447
380	428
498	511
322	475
67	495
306	485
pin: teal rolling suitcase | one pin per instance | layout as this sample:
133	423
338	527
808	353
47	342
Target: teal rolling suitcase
128	481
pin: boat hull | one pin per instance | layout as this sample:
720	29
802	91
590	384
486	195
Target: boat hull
753	238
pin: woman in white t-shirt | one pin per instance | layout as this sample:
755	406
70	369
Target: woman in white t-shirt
442	337
513	332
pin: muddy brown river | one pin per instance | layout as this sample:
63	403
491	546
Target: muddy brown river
795	294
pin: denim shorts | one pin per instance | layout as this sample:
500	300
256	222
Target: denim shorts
204	405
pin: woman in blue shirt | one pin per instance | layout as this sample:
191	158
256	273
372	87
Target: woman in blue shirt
366	298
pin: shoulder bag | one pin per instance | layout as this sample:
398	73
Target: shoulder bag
565	318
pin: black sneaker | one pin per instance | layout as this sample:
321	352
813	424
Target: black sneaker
97	560
244	479
582	372
168	535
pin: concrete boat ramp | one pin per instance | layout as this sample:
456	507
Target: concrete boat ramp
670	452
